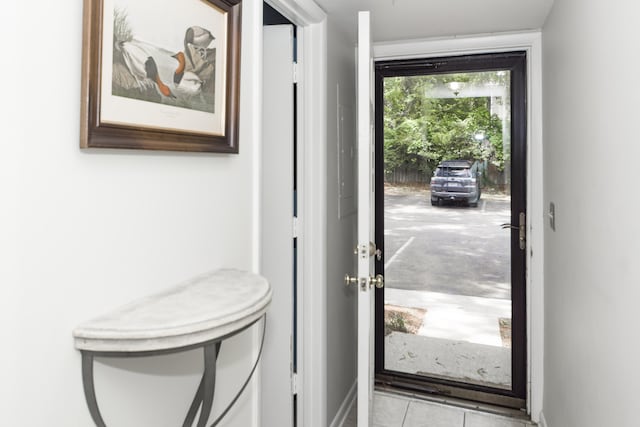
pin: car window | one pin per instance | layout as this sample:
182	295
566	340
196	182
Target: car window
453	172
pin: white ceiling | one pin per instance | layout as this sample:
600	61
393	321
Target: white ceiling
416	19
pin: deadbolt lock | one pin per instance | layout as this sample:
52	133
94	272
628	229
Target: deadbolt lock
370	250
374	251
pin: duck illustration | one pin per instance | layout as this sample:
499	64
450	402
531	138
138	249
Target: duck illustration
134	58
151	69
186	82
190	84
182	63
198	37
165	72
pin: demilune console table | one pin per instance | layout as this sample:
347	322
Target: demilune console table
200	313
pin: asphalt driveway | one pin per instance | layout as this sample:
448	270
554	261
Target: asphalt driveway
448	249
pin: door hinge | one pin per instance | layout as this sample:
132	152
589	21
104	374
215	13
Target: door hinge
295	72
294	383
294	227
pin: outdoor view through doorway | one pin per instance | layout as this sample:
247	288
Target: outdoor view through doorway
448	228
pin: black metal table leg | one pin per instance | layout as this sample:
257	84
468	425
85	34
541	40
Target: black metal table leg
206	389
208	382
193	409
89	388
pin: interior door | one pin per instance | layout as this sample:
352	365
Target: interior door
277	216
366	223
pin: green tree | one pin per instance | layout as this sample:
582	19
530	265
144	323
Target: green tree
405	123
422	130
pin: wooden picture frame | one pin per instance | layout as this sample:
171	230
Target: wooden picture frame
161	79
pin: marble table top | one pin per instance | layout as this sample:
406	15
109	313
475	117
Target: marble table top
205	308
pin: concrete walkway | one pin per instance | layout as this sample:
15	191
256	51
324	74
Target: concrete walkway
459	338
455	317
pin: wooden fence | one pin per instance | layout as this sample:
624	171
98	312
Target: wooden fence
406	176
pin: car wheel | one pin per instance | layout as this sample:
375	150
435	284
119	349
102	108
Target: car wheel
474	203
435	202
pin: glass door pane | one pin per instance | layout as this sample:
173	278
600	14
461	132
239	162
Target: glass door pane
447	191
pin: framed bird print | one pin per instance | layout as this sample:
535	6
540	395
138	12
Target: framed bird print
161	75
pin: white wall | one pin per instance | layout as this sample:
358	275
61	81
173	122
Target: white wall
341	237
83	232
590	69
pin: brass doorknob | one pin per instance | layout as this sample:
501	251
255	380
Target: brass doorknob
348	280
378	281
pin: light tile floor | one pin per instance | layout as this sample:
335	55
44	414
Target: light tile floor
398	411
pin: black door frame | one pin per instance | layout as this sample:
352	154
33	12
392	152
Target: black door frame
516	63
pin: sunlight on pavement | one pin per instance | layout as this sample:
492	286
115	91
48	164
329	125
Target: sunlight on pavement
455	317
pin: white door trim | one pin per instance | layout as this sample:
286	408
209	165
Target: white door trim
532	44
312	223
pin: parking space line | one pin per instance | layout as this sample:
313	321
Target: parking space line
398	252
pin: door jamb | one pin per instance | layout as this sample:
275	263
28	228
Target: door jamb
312	223
531	43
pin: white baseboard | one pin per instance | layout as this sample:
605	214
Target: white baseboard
344	409
543	421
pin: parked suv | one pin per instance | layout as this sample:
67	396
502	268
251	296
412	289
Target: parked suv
457	181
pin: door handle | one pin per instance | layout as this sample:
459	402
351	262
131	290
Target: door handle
348	280
522	230
354	280
378	281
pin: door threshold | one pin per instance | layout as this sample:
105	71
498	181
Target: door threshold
449	390
519	414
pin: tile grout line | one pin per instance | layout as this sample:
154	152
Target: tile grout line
406	411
